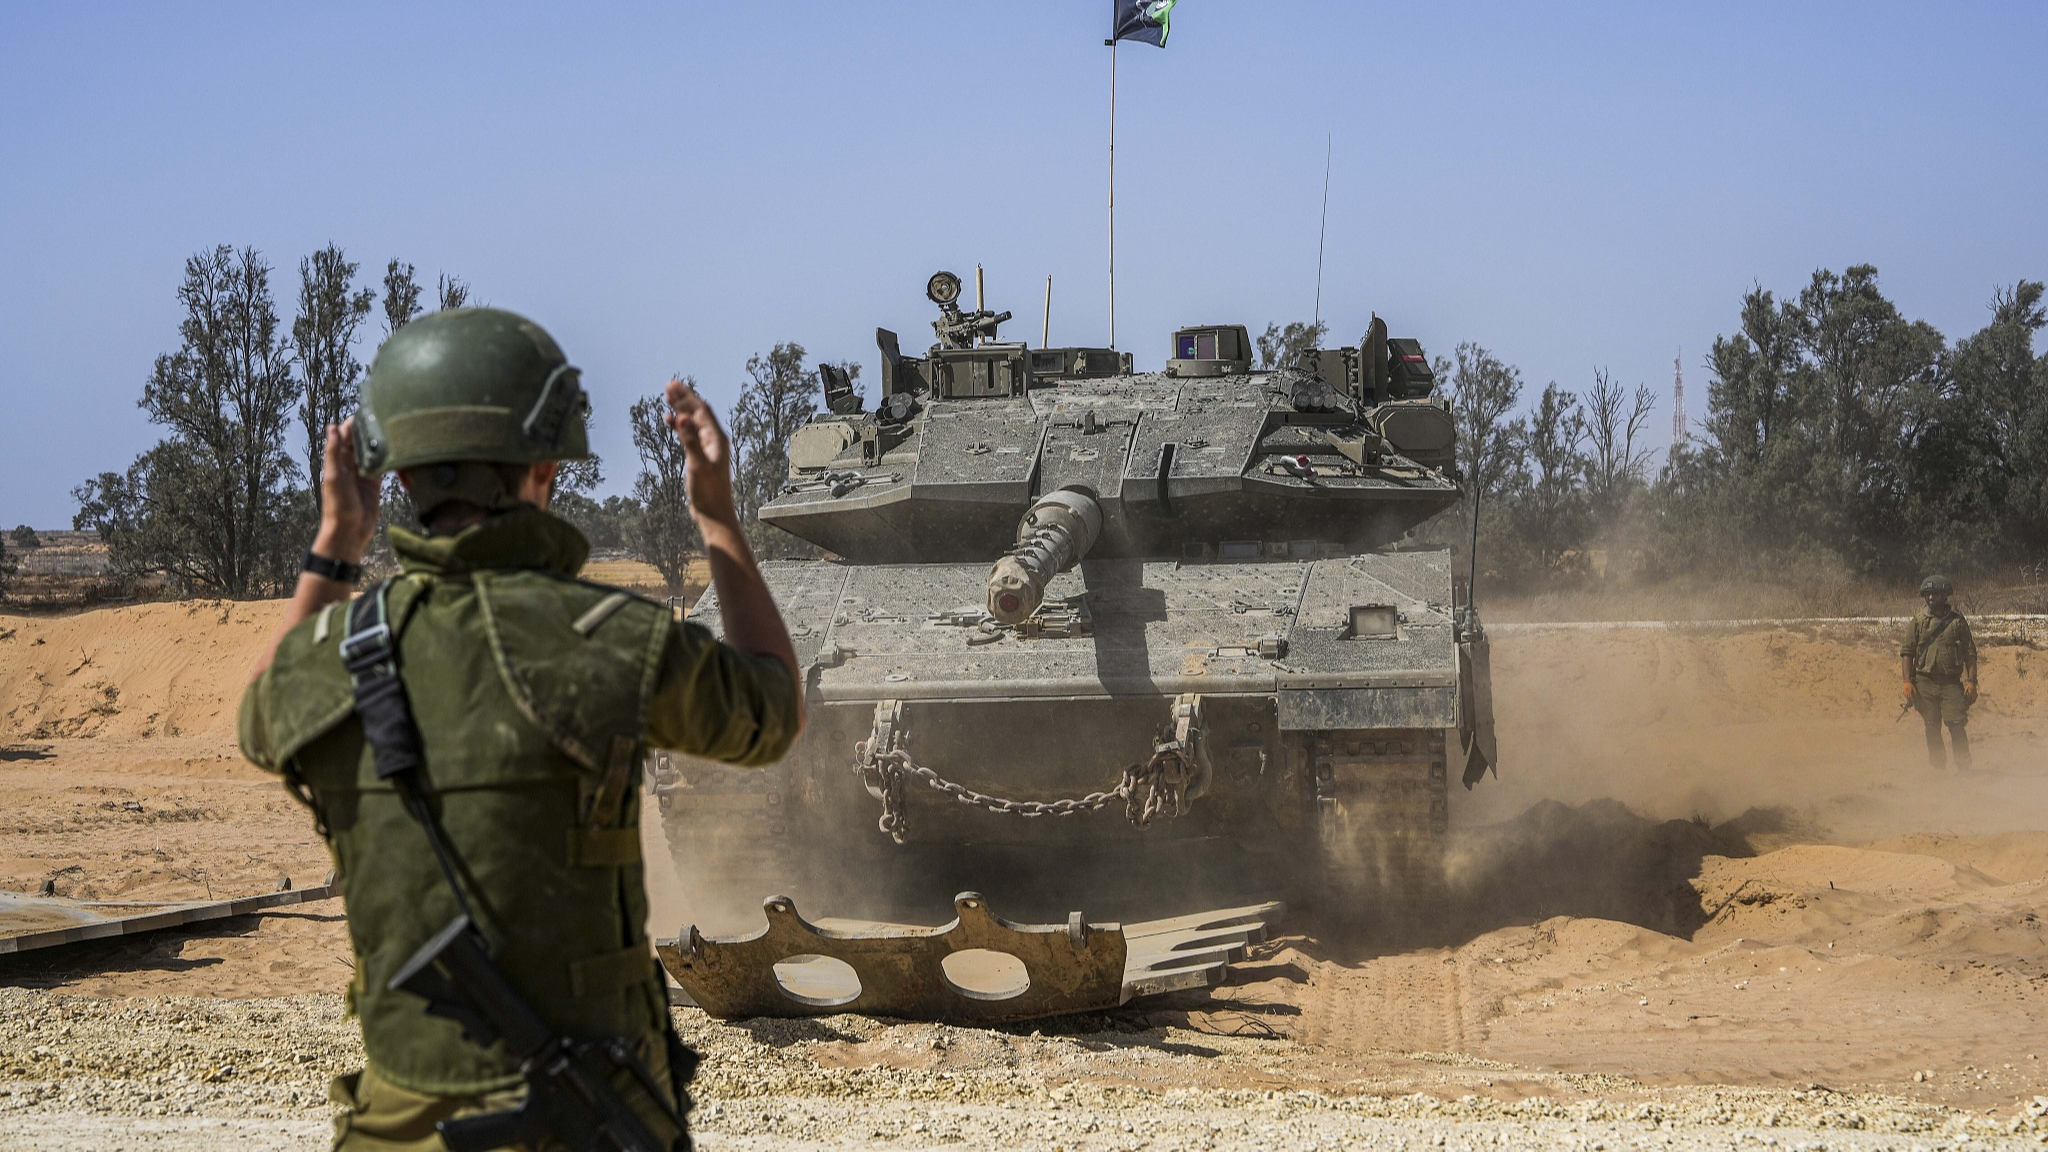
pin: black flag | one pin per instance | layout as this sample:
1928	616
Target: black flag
1146	21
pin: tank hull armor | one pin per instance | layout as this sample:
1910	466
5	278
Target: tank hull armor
1326	744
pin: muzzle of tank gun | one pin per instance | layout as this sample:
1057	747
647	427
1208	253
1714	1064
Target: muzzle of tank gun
1051	538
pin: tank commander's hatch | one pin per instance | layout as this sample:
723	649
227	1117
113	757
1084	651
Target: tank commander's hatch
1211	350
841	397
983	370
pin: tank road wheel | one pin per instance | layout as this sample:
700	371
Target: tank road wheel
1382	811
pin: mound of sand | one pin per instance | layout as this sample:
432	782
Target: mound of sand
131	672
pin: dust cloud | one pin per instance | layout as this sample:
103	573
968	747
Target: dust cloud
1635	753
1704	721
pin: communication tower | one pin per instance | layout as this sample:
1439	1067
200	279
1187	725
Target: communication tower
1678	429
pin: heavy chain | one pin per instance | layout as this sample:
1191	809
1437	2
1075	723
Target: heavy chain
1146	789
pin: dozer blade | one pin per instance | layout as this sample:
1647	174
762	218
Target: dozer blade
978	969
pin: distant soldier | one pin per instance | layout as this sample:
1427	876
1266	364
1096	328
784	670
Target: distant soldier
1938	660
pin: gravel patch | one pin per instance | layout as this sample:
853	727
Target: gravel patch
181	1073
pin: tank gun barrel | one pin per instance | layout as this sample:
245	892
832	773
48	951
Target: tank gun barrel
1052	537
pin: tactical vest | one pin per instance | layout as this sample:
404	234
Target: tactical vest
531	690
1941	641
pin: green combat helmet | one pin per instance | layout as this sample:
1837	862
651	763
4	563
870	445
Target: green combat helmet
458	395
1937	584
470	384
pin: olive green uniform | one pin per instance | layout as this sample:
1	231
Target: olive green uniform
536	695
1941	648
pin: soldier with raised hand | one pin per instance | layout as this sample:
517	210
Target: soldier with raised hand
469	734
1938	661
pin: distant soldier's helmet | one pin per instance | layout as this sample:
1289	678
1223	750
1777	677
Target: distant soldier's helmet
470	385
1937	584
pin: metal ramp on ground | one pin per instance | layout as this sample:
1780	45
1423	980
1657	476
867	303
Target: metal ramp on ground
30	922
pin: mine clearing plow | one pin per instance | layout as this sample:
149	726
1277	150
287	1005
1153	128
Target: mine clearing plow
979	968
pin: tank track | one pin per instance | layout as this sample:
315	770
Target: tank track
728	830
1382	809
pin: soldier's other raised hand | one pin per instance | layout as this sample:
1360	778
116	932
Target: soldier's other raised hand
348	499
707	468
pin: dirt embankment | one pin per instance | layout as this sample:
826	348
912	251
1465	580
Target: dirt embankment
119	775
1716	894
171	670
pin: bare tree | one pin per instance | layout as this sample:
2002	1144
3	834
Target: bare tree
451	293
663	534
1613	433
1549	510
574	483
777	399
401	296
212	504
1483	391
580	477
1280	347
323	337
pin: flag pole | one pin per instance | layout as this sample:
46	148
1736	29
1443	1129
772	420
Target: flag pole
1329	149
1112	193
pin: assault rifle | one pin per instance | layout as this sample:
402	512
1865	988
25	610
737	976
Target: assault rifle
571	1095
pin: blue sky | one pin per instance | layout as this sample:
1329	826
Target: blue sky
671	187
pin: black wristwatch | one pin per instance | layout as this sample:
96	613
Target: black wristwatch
328	568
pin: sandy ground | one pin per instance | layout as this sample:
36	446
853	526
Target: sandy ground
1716	900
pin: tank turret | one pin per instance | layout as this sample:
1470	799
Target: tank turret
1338	450
1052	537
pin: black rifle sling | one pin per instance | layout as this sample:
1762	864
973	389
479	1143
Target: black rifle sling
370	653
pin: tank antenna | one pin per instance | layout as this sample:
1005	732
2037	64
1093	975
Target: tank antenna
1329	146
1112	193
1045	333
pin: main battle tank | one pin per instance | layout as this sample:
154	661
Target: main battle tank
1134	642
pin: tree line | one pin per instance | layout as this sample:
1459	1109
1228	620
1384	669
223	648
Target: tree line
224	503
1839	436
1838	432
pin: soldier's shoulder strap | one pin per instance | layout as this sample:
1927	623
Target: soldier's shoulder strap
310	688
1933	634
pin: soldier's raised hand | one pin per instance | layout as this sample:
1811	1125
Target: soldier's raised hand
707	468
348	499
